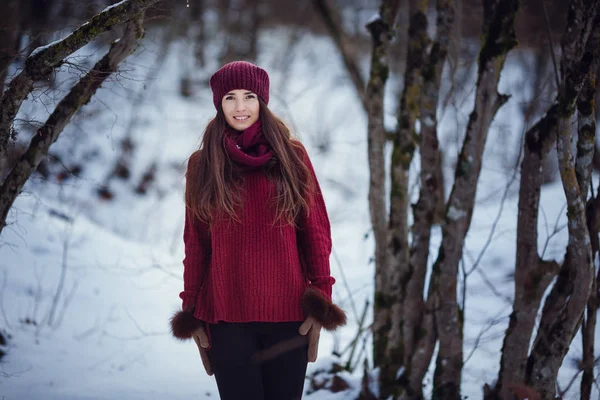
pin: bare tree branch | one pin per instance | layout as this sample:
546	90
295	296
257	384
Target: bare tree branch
79	95
44	60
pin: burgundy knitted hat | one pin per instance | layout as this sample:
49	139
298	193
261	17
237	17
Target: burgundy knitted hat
239	75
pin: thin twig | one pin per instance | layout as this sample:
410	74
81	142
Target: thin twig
556	230
496	221
339	264
4	280
562	393
494	321
492	287
360	326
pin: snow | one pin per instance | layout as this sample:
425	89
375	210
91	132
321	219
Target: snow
115	5
373	18
400	372
41	48
455	213
109	337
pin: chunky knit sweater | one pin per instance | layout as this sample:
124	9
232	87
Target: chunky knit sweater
252	269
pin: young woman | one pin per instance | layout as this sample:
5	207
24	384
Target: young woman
257	284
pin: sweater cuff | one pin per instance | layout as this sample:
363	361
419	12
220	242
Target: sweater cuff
320	307
323	286
188	298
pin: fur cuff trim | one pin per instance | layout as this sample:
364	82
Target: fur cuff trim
329	315
184	324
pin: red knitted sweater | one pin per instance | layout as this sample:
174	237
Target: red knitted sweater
253	270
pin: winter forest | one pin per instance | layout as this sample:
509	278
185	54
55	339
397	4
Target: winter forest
454	141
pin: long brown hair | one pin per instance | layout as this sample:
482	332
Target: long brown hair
213	180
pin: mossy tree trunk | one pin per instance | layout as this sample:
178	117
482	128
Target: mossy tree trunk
418	328
403	147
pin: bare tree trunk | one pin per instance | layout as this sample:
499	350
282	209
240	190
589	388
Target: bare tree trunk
586	112
532	275
382	32
79	95
586	140
499	38
419	335
40	64
588	327
564	307
404	144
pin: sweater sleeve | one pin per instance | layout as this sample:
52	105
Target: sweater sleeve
314	238
196	239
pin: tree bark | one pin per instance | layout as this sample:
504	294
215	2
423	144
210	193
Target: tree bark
418	333
588	327
586	139
586	113
42	62
382	32
499	39
564	307
532	275
79	95
404	144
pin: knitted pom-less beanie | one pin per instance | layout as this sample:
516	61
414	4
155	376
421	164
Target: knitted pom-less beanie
239	75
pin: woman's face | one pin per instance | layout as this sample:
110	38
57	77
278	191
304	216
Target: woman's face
241	108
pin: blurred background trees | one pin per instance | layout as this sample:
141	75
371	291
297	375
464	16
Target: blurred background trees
426	68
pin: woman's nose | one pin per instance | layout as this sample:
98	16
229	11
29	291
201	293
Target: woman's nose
240	106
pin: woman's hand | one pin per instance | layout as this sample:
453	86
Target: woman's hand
201	340
311	327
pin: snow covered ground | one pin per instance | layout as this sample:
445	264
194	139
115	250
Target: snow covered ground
88	286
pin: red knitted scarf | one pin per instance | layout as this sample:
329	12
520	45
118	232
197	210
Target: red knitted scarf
249	147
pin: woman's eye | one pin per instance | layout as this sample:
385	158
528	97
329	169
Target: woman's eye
250	96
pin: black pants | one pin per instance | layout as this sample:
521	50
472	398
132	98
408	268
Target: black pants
258	360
